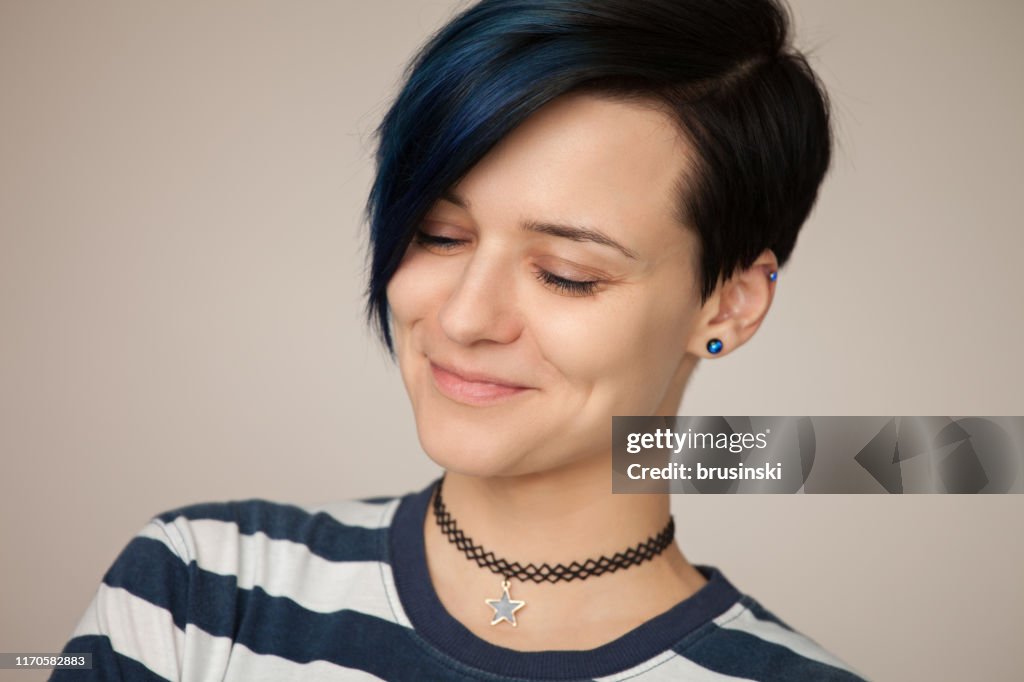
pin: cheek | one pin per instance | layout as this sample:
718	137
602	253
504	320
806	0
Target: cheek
621	344
411	292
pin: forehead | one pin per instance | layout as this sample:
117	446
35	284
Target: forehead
588	159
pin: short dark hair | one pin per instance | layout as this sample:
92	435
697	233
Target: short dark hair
751	107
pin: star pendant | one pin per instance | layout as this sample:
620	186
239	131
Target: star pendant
504	608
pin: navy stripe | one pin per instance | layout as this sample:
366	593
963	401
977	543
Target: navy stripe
107	664
346	638
322	533
761	613
732	652
150	570
377	500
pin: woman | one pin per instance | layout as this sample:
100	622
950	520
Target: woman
575	203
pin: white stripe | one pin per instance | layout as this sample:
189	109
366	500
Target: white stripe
157	530
732	612
136	628
206	655
248	666
387	576
282	568
391	591
176	536
671	667
356	513
348	512
771	631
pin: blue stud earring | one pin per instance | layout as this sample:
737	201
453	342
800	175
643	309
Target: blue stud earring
714	346
772	276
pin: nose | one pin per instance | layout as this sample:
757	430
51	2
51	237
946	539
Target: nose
481	305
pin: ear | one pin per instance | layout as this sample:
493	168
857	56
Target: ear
735	309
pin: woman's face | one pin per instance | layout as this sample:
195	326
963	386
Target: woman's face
551	288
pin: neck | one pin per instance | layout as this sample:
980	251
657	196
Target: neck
558	516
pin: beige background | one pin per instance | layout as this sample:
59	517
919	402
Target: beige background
181	186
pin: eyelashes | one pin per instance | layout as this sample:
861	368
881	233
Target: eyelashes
570	287
437	242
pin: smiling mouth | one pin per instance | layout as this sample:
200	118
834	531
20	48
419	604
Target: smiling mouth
462	390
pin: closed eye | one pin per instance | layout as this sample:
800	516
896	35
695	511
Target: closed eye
436	242
571	287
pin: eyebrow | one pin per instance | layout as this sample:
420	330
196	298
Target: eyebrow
575	233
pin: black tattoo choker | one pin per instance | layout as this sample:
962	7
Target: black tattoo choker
505	607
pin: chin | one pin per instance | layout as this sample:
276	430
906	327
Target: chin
473	441
469	456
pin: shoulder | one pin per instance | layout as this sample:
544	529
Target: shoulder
748	641
217	548
203	575
213	533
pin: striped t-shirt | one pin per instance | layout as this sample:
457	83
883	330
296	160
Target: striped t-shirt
257	591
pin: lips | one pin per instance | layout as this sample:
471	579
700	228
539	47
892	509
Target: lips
476	377
471	387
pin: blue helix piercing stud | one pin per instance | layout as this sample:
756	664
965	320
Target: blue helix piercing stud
714	346
772	276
